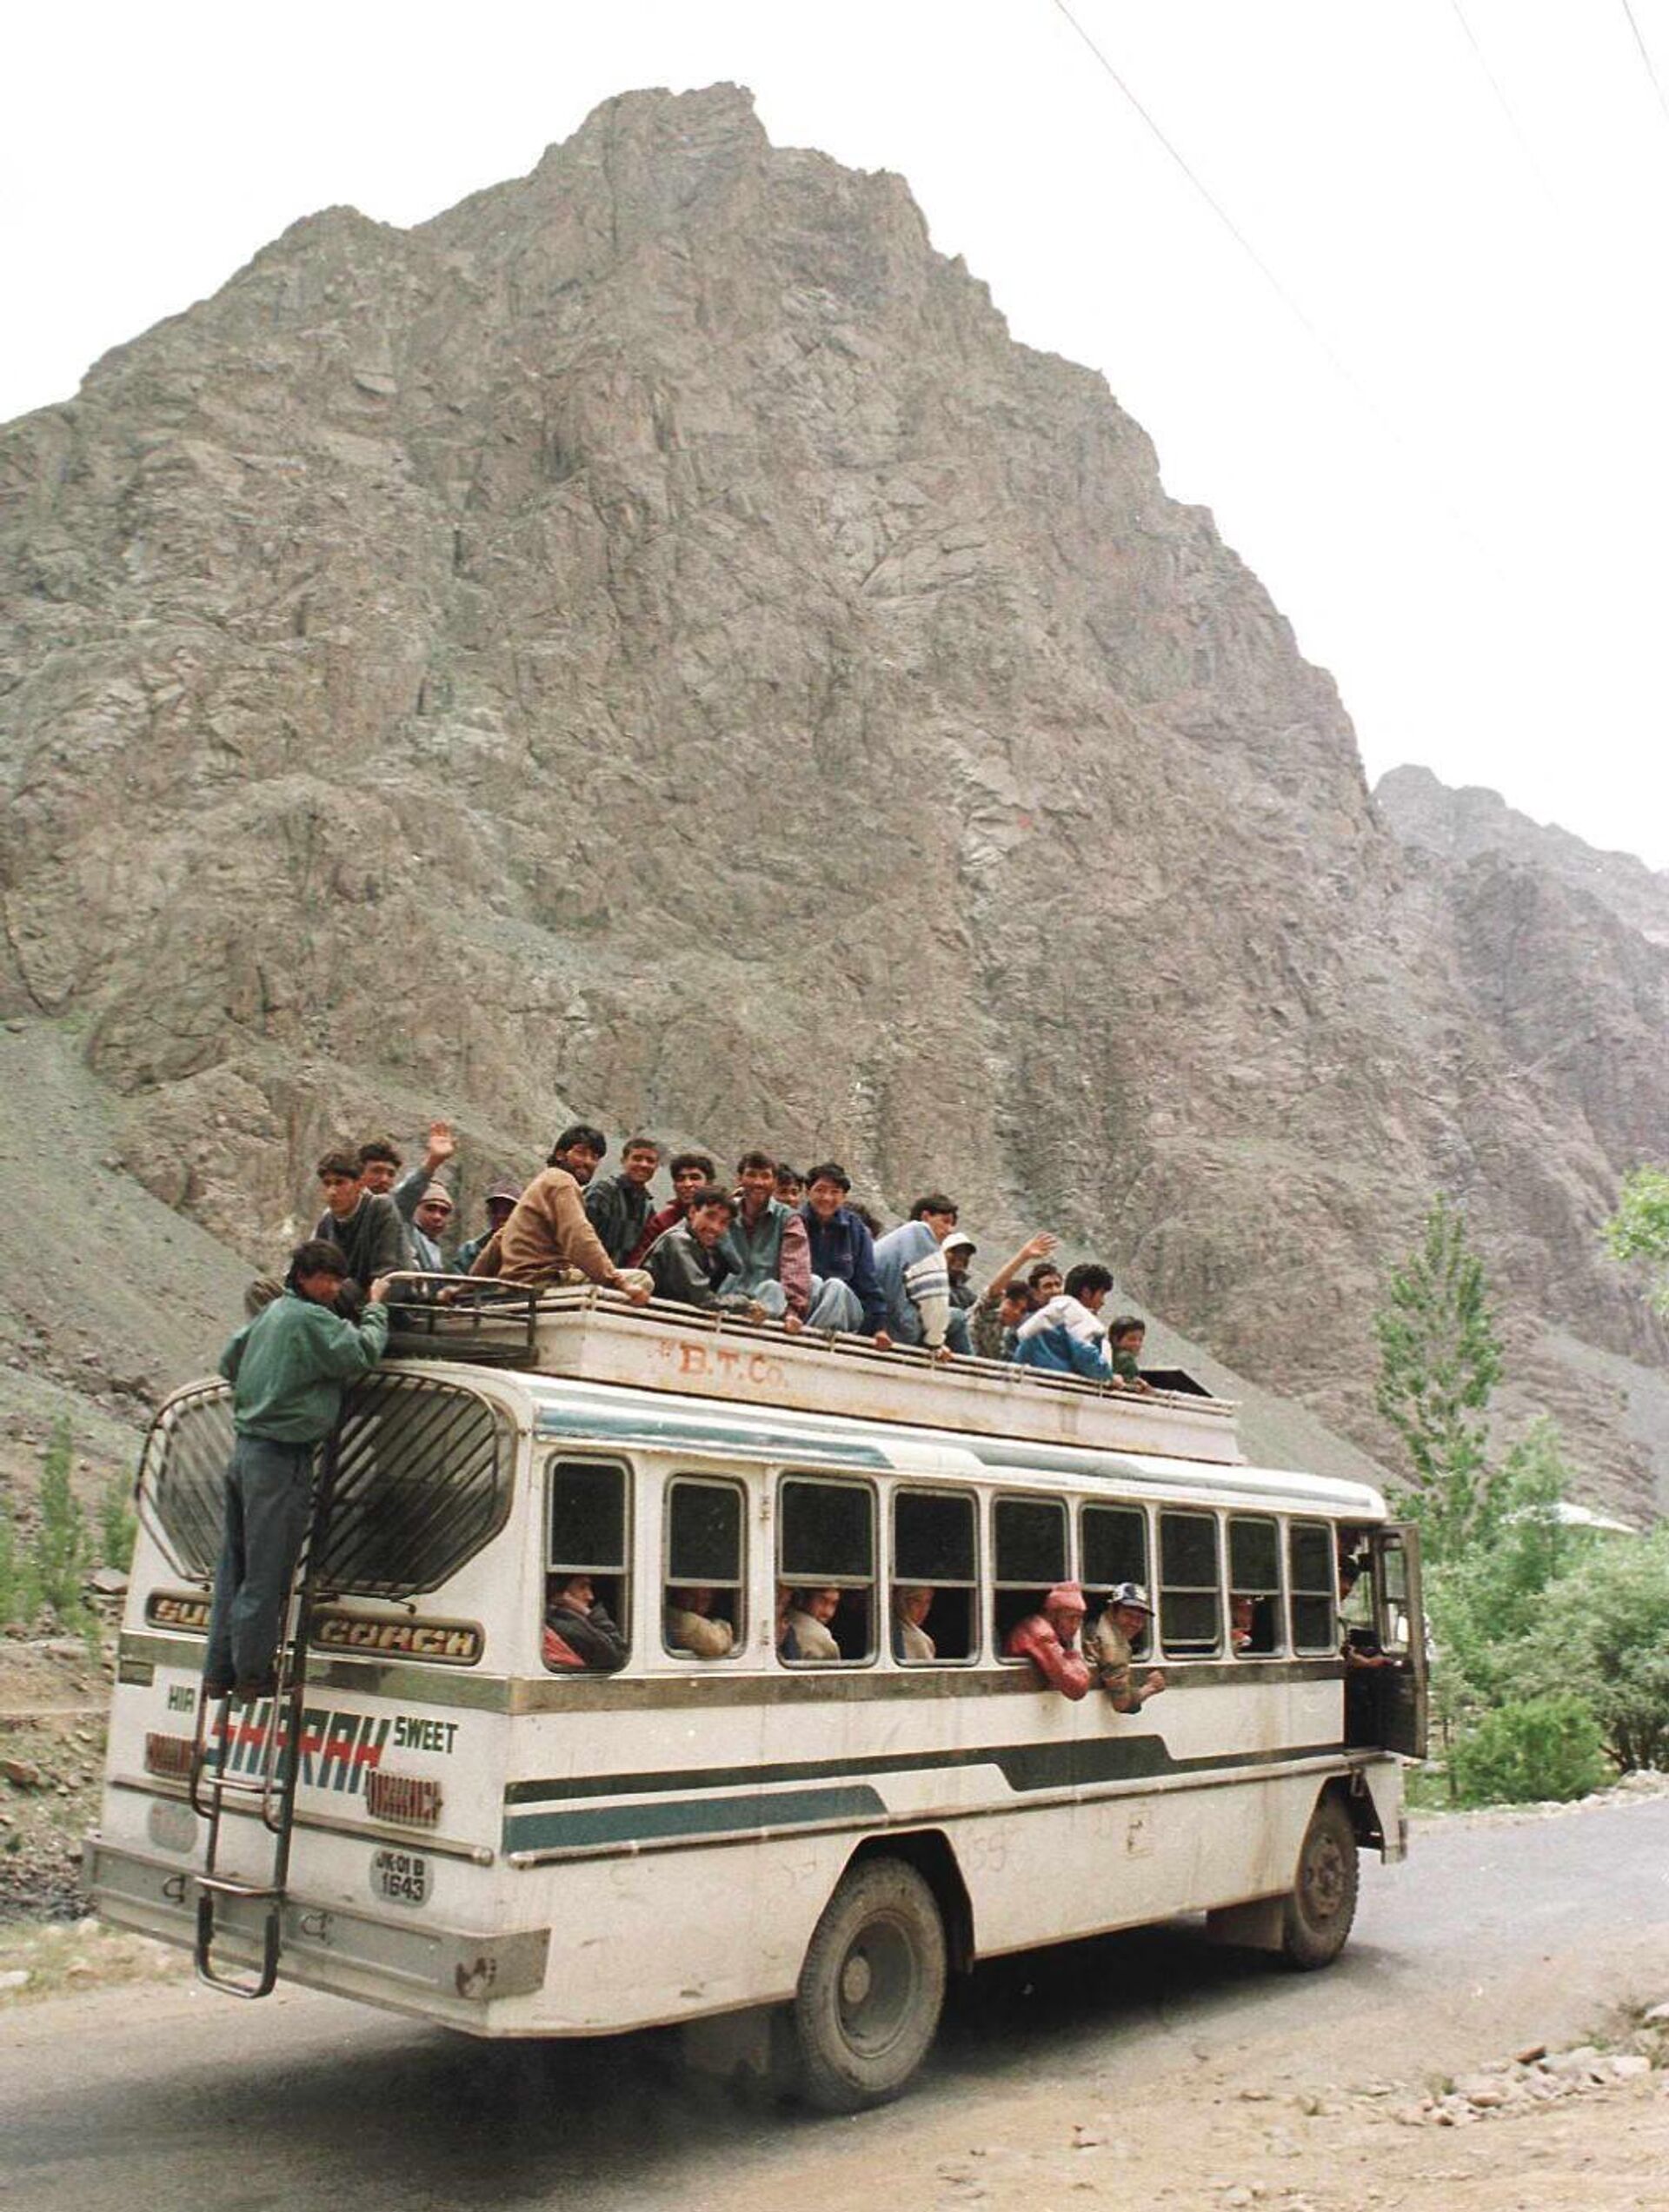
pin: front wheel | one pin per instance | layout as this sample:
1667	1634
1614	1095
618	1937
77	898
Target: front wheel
872	1987
1322	1905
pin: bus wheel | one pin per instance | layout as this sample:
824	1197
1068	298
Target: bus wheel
872	1988
1322	1904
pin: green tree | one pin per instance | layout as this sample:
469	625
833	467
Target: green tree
1640	1229
1439	1359
117	1525
60	1553
1603	1631
1534	1749
19	1599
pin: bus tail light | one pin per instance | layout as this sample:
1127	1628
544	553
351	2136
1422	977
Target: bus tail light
413	1800
168	1755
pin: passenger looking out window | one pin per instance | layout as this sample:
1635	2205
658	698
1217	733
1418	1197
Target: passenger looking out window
579	1632
912	1603
1118	1636
788	1643
1049	1640
691	1624
1256	1629
810	1612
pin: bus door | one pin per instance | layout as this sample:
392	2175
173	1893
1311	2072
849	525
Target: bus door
1400	1690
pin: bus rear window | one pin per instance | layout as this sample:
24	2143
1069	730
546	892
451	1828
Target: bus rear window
826	1554
1029	1557
936	1577
1190	1592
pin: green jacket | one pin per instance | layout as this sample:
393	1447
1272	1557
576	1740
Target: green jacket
289	1366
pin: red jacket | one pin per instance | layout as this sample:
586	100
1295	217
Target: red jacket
1062	1665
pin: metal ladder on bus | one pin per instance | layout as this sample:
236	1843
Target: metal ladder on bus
267	1788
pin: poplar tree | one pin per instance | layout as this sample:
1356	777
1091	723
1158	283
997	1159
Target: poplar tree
1640	1229
1440	1359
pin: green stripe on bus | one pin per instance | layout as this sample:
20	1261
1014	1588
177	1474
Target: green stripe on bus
693	1816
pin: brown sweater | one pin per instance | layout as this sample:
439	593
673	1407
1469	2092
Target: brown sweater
548	1231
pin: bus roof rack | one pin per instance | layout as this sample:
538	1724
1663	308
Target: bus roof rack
593	1335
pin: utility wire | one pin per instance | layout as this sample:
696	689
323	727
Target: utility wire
1645	56
1503	103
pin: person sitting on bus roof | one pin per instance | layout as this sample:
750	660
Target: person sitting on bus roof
288	1369
500	1205
767	1246
912	1603
439	1151
1046	1281
790	1184
379	1166
691	1264
809	1614
619	1208
690	1172
429	1223
960	1249
365	1226
1049	1640
845	1293
1122	1625
578	1630
1066	1337
547	1240
1004	1303
914	1281
1125	1338
691	1626
580	1149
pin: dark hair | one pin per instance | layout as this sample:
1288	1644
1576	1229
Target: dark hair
1017	1287
1043	1267
340	1161
681	1162
1125	1323
1087	1275
828	1171
710	1194
870	1219
934	1202
641	1144
755	1159
318	1256
379	1148
578	1132
787	1174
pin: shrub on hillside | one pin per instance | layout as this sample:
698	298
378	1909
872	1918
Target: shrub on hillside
1533	1749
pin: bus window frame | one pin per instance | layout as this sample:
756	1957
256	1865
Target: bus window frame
1281	1647
1191	1651
1000	1498
625	1574
971	1500
741	1587
781	1479
1331	1649
1143	1647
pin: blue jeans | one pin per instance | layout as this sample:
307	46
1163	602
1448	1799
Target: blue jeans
269	1505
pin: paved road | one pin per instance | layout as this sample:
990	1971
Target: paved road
1492	1934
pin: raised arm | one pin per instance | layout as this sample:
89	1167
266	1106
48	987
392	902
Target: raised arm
1037	1247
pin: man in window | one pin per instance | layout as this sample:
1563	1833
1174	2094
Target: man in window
912	1603
691	1627
579	1632
809	1614
1112	1648
1049	1640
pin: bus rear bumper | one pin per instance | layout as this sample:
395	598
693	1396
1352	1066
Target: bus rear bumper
436	1971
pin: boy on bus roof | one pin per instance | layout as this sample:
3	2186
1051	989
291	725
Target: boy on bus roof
1005	1300
1066	1337
365	1223
619	1209
547	1239
288	1369
845	1293
580	1149
914	1279
766	1241
690	1172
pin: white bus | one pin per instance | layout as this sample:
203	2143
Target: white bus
512	1848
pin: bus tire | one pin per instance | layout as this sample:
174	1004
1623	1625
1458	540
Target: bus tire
872	1988
1316	1920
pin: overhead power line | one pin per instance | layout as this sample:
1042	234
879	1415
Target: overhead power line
1645	56
1502	102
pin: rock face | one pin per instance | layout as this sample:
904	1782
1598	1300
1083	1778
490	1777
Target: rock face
649	642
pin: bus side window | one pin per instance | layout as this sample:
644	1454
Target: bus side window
1314	1578
1113	1543
826	1554
705	1573
587	1543
1028	1552
1255	1628
1190	1585
934	1553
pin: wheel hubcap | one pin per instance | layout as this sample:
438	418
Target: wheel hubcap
877	1987
1324	1878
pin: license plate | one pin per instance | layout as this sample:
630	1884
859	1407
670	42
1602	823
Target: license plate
403	1876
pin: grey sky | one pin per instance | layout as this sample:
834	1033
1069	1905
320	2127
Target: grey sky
1454	482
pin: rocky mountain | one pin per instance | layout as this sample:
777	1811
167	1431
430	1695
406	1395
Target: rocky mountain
649	642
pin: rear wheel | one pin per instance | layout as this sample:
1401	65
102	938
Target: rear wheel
1322	1905
872	1988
